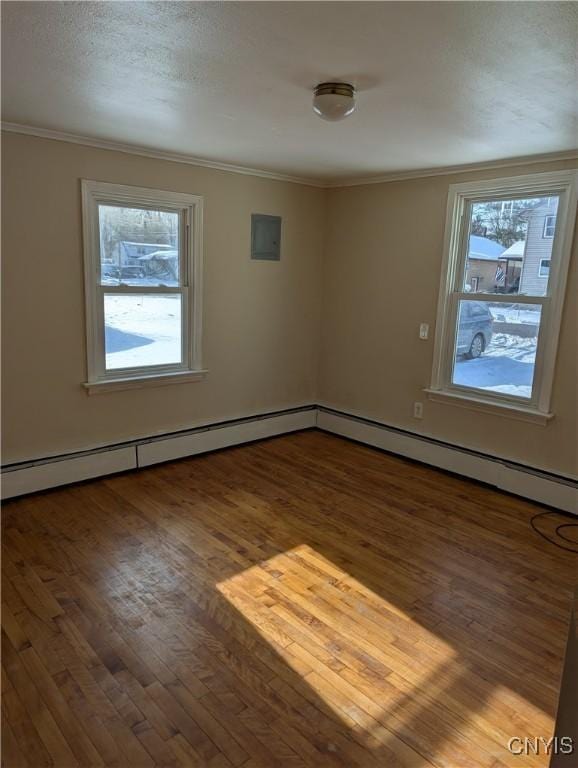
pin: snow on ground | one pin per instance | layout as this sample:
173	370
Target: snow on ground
142	330
507	366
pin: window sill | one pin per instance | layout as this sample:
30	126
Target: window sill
508	410
138	382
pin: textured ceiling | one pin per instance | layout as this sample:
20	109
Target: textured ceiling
439	83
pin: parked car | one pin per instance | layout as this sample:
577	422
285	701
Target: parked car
474	328
132	273
110	274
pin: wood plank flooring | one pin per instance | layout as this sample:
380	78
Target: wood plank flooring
303	601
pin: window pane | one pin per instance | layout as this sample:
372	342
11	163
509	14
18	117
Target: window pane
141	330
508	239
138	246
496	347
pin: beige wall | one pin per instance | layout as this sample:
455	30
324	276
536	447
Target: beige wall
381	279
382	247
262	319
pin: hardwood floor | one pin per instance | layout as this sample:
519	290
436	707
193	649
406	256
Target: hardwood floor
303	601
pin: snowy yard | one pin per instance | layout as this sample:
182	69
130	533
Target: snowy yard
142	330
506	366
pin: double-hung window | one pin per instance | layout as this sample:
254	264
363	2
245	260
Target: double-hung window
549	226
142	285
502	293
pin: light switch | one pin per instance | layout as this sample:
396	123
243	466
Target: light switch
424	331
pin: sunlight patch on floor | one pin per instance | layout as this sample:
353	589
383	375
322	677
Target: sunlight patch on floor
378	670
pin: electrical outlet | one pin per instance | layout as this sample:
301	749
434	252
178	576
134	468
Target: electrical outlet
418	410
424	331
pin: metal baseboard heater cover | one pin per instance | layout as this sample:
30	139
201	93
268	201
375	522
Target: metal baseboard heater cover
50	472
543	487
553	490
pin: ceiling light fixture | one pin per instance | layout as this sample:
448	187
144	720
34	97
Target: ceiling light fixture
333	101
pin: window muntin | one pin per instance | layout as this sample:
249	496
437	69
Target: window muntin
143	282
526	322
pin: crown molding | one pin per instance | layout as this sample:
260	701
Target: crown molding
177	157
450	170
173	157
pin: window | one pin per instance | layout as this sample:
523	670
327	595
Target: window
549	226
142	284
495	347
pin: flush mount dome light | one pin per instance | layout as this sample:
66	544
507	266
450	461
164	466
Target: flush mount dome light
333	101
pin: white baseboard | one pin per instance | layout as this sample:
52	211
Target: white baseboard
538	488
534	485
63	470
211	439
524	482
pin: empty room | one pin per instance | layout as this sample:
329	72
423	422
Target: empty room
289	384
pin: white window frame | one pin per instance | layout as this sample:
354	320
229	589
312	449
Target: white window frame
541	267
460	199
548	225
190	209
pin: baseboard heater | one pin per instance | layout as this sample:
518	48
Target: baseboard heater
547	488
27	477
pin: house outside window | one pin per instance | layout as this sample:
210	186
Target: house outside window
142	285
496	340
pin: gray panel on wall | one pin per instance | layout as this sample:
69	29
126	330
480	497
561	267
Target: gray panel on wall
265	237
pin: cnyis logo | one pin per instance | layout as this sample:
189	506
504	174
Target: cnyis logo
538	745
